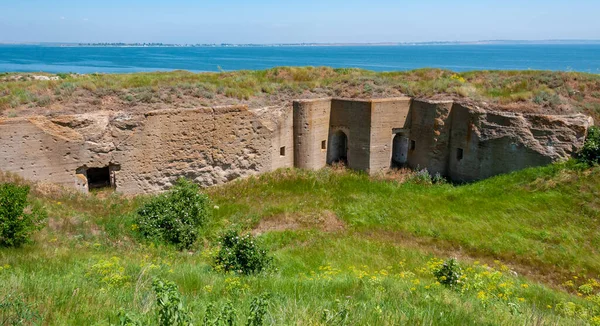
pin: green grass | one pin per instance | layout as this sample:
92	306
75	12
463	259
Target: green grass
537	228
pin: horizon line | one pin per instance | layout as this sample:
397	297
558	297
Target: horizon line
505	41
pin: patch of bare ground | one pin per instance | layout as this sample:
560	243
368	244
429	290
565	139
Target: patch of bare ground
326	221
534	270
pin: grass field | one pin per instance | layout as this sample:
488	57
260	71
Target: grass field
348	249
533	91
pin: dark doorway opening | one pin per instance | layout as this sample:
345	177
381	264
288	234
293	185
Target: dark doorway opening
400	147
98	178
338	148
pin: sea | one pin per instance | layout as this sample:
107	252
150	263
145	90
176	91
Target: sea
80	59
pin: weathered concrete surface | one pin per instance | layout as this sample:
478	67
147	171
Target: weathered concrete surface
459	141
500	142
311	126
386	115
146	153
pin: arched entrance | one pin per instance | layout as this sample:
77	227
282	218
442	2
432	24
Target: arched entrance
338	148
399	150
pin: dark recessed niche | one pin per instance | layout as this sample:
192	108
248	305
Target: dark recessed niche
459	154
282	151
98	177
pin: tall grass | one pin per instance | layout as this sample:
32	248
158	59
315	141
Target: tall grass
537	228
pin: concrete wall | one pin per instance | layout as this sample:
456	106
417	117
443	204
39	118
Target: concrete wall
209	146
430	123
354	119
147	153
283	136
40	150
311	127
500	142
386	115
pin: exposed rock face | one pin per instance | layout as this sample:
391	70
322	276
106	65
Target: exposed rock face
147	153
143	153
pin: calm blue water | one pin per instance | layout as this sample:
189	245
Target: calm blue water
380	58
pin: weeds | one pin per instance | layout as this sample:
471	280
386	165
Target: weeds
15	311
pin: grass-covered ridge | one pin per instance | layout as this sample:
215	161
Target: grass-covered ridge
527	242
533	91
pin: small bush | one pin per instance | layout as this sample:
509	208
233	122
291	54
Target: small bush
258	310
174	217
241	254
590	153
449	273
18	217
171	310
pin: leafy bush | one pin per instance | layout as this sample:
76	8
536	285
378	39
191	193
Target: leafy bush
170	306
241	254
590	153
258	310
449	273
174	217
18	217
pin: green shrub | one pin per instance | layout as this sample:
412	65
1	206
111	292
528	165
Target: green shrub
170	306
18	217
174	217
258	310
449	273
241	254
590	153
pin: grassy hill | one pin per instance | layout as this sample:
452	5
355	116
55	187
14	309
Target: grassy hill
348	249
525	91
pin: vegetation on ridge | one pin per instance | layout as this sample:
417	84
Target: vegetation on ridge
530	91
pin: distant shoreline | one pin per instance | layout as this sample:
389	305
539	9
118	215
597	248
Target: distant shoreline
232	45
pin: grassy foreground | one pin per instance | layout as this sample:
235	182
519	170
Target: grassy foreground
349	249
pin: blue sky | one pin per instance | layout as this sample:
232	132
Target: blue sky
283	21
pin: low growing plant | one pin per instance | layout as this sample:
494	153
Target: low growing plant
171	311
174	217
241	254
449	273
19	218
590	153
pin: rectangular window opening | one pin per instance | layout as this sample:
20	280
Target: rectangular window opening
459	154
413	145
98	178
282	151
324	144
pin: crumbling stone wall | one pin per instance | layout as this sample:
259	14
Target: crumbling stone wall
493	143
147	153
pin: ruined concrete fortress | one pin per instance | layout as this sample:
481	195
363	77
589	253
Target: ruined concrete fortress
147	153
